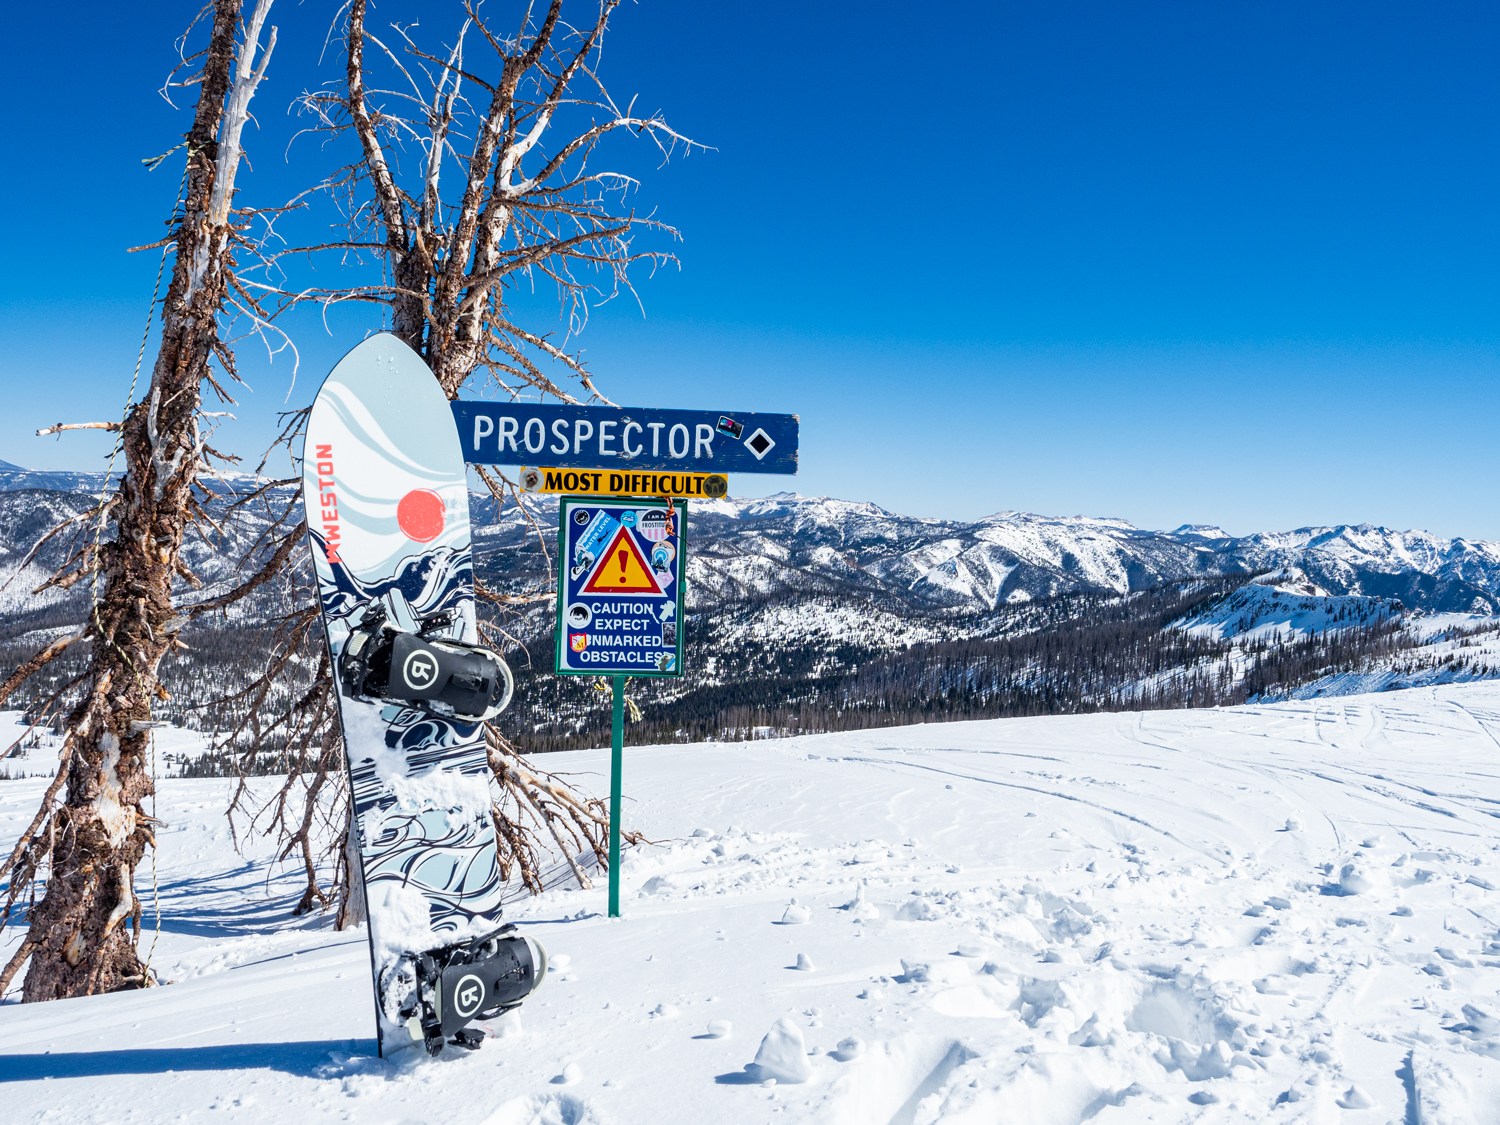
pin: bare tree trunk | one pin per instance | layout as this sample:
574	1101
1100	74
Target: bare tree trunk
84	933
352	910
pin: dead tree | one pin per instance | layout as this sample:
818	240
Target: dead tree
474	171
474	175
83	934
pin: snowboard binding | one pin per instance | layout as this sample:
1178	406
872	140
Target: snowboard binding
441	676
477	979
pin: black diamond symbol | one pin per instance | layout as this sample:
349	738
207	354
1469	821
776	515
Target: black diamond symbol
759	443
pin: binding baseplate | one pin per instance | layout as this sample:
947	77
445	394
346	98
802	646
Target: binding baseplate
439	675
446	989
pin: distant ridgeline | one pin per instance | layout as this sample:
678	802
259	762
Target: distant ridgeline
13	478
809	614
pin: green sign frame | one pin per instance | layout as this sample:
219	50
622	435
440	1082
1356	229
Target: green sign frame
575	533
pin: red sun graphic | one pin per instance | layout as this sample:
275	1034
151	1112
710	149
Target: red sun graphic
420	515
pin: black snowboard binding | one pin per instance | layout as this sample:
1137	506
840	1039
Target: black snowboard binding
444	677
473	980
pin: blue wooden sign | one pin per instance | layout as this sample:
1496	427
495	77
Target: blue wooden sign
597	437
621	568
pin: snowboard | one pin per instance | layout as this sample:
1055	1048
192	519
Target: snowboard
387	506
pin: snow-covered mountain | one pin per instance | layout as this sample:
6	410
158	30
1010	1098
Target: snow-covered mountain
14	478
806	607
1421	569
1285	604
787	542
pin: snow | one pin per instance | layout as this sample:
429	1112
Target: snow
27	751
1262	914
1287	605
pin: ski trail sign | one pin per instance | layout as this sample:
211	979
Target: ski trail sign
621	567
602	482
630	439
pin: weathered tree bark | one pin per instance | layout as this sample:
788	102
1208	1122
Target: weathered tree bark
84	934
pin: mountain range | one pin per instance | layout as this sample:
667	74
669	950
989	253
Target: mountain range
743	548
791	542
807	607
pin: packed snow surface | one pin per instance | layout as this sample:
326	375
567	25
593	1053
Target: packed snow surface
1285	913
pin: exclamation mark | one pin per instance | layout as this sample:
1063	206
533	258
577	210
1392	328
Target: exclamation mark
622	558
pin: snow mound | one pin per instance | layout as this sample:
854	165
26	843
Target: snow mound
782	1056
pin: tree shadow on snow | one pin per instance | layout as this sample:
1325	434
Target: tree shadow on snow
233	903
305	1059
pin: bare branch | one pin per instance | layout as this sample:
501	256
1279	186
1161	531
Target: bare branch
59	427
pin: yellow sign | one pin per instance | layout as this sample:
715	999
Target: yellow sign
621	482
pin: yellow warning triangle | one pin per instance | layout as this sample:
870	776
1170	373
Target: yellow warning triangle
622	569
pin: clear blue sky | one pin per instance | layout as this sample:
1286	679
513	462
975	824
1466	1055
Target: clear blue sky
1175	262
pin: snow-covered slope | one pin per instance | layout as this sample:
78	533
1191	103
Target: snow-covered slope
1287	604
1453	648
1270	914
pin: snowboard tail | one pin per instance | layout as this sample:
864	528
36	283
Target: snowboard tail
444	989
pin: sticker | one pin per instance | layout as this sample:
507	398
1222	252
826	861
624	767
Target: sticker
531	480
622	612
652	525
420	515
592	541
759	443
728	425
622	570
716	486
581	516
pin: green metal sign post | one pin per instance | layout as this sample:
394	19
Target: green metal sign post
621	571
616	767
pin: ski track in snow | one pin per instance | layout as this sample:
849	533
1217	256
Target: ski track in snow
1285	913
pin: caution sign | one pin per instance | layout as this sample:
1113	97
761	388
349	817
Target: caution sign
622	569
618	482
621	566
